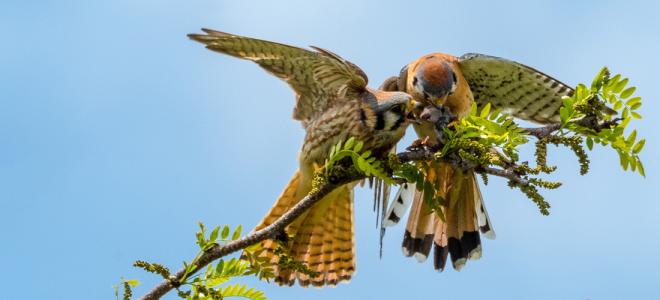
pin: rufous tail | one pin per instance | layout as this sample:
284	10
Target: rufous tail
322	238
457	236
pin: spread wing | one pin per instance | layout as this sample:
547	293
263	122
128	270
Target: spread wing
318	78
522	91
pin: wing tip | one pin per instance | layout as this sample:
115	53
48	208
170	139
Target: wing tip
214	32
208	35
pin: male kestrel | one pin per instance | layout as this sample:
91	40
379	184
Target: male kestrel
441	81
333	103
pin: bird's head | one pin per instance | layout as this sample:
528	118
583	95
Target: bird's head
431	80
392	110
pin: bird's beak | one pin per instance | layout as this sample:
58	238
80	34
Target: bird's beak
412	109
440	101
410	106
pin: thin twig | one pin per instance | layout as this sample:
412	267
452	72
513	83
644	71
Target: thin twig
541	132
588	122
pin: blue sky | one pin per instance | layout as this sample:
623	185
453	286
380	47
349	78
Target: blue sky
118	134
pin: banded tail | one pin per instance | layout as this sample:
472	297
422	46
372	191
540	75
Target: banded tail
322	239
457	236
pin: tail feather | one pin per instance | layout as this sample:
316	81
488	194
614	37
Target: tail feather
330	255
329	243
402	201
457	236
322	237
344	258
440	245
485	226
418	238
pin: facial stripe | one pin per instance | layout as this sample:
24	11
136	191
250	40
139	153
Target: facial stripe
397	123
380	121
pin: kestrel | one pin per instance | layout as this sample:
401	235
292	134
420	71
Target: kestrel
444	81
333	103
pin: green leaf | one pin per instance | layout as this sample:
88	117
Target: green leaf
635	115
623	159
214	234
361	165
598	80
220	266
366	154
239	290
581	91
619	86
639	146
607	88
633	164
618	105
636	106
495	114
590	143
237	232
358	146
631	138
563	115
225	232
209	271
627	92
611	98
349	143
485	110
632	101
624	123
332	151
640	168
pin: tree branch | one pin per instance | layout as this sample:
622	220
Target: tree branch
269	231
218	251
415	154
590	122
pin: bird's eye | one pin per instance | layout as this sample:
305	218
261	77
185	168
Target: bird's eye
453	77
397	109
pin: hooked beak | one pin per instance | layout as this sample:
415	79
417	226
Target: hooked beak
437	102
413	108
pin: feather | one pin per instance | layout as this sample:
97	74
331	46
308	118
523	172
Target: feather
402	201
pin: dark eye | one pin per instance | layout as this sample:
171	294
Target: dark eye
397	109
453	77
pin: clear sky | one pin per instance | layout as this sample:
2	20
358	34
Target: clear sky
118	134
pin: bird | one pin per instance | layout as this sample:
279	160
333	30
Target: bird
333	103
443	82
